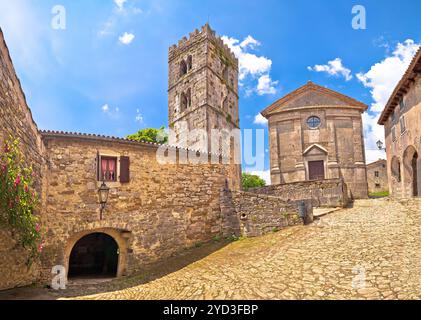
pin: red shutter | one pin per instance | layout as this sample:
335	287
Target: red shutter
98	167
124	169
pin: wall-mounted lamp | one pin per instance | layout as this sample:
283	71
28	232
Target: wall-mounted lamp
103	193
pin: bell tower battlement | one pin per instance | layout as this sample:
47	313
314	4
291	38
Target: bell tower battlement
202	88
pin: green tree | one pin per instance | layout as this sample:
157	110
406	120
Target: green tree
150	135
251	181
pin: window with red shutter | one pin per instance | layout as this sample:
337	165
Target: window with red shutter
124	169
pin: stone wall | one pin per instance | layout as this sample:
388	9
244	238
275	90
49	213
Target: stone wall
16	120
161	211
377	177
258	214
325	193
404	143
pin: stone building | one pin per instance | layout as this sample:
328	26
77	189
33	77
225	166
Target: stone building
401	119
202	90
155	208
315	134
377	176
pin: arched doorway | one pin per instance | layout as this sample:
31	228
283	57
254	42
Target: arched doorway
414	164
410	160
94	255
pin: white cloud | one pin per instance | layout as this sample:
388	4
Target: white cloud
120	3
120	16
249	42
105	108
333	68
382	79
259	119
266	85
251	65
383	76
113	113
126	38
265	175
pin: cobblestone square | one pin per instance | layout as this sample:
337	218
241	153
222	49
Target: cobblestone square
370	251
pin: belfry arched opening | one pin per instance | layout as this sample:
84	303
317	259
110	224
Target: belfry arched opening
94	255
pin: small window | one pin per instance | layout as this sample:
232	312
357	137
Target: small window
183	68
378	186
402	104
376	174
403	124
393	116
108	169
313	122
189	63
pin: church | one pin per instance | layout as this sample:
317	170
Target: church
317	134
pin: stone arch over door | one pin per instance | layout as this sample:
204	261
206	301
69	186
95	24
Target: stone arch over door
318	155
411	172
115	234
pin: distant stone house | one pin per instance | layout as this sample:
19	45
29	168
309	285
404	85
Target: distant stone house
401	119
315	134
377	176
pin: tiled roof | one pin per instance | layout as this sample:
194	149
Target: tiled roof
413	69
65	134
315	87
376	162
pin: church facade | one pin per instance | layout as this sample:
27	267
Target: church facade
317	134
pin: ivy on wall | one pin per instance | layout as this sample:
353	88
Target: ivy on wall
18	199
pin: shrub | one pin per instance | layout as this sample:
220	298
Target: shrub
251	181
18	199
150	135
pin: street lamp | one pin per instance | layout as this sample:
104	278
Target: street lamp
103	196
380	145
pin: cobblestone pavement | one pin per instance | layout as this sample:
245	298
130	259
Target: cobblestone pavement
370	251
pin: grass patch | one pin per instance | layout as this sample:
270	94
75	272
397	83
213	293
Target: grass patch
381	194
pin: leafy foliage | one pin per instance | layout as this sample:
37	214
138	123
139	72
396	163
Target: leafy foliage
251	181
18	199
150	135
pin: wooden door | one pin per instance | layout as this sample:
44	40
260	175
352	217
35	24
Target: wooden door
316	170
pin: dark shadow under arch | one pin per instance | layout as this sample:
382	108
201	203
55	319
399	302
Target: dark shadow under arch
94	255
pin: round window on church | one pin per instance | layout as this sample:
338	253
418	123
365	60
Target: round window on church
313	122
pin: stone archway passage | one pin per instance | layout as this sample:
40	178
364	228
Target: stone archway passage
94	255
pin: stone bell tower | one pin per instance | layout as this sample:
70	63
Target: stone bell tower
202	89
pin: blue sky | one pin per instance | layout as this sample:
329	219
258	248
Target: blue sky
107	71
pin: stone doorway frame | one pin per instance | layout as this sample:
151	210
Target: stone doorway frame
116	234
315	152
409	171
